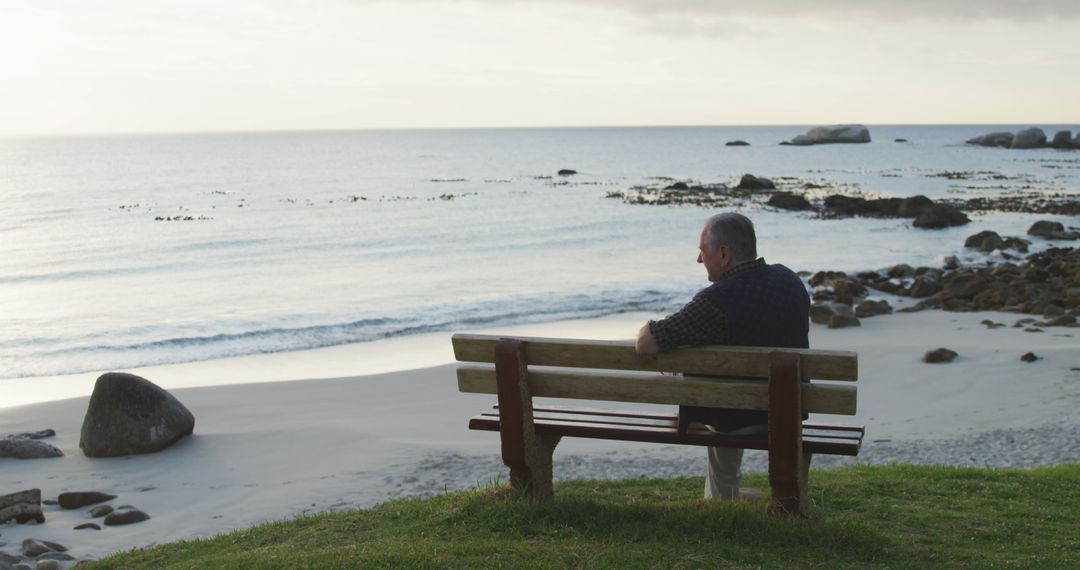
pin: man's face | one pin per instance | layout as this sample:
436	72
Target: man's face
716	261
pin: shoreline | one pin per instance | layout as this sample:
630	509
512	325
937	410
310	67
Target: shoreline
346	360
271	450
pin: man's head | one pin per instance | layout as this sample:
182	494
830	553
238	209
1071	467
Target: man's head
726	240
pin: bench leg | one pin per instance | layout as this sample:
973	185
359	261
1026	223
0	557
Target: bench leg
541	488
787	463
525	452
804	480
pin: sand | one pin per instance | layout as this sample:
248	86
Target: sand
385	420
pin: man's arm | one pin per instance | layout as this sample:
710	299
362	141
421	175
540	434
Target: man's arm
646	342
699	323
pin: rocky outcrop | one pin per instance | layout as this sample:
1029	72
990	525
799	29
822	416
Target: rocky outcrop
835	315
1029	138
789	201
940	216
566	172
751	182
836	286
833	134
872	309
988	241
1025	139
927	213
1048	283
1000	138
129	415
1051	230
736	143
1062	140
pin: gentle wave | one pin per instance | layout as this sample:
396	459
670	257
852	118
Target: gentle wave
28	362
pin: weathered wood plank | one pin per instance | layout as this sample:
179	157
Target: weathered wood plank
620	355
657	389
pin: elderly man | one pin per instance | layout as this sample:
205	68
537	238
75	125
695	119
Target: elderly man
749	303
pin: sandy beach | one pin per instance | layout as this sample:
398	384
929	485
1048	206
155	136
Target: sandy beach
381	420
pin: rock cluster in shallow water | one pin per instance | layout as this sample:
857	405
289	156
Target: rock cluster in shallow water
1046	283
1027	139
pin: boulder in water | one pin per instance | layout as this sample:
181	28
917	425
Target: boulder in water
940	216
751	182
789	201
1029	138
833	134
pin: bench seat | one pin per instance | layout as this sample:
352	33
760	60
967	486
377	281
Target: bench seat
817	438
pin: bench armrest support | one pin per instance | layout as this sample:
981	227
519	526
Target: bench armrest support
786	462
527	454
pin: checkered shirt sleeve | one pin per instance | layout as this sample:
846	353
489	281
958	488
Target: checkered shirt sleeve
699	323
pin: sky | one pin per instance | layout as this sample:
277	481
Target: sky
133	66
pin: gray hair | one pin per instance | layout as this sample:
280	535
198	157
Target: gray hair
735	231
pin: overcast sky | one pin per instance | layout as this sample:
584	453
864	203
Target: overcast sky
107	66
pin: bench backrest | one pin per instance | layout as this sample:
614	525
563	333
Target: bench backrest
738	375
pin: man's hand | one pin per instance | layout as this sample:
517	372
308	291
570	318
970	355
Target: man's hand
646	342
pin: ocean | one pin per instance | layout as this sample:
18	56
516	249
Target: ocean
126	251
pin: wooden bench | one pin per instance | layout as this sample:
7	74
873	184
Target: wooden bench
752	378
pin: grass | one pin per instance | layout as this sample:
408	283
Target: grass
897	516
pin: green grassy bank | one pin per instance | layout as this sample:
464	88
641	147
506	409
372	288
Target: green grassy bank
863	517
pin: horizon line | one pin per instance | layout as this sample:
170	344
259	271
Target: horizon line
92	134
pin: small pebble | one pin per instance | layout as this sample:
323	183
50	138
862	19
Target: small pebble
1029	357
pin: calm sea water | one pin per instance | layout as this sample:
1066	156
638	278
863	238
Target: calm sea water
300	240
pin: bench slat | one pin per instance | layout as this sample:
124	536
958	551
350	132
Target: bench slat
670	421
657	389
620	355
669	435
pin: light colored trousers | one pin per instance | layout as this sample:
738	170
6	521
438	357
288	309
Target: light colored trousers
725	466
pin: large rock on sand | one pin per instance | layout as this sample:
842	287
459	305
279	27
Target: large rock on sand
21	507
128	415
833	134
822	313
